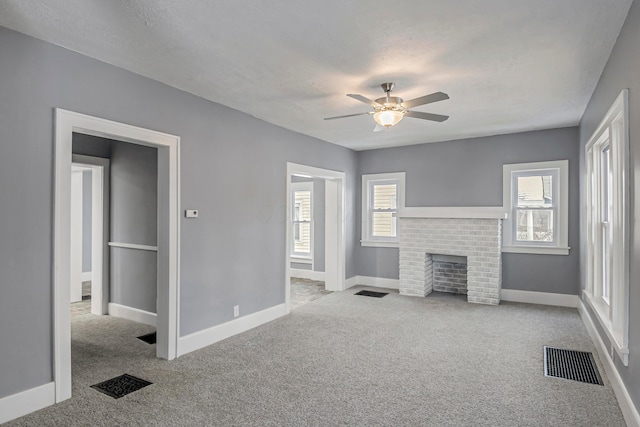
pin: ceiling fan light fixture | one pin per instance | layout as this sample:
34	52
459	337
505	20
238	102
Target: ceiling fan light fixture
388	118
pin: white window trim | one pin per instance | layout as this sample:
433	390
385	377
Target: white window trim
613	317
561	246
297	257
367	239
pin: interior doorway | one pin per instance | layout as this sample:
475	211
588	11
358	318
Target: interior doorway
94	270
300	224
307	244
168	233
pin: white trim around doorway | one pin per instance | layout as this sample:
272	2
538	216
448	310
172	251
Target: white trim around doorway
335	226
66	123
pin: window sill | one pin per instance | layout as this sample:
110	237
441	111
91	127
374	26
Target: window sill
379	244
599	309
301	260
540	250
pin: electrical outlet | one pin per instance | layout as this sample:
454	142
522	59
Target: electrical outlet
236	310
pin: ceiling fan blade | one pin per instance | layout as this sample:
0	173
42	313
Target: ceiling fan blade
348	115
364	99
427	99
379	128
426	116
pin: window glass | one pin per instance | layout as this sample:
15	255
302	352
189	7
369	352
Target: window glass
534	223
302	222
384	210
382	199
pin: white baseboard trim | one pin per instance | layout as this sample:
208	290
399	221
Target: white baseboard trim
86	276
307	274
26	402
200	339
350	282
130	313
377	282
544	298
630	412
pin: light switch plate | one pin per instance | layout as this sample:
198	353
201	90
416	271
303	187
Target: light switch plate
191	213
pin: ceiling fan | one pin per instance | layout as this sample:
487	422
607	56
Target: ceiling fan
389	110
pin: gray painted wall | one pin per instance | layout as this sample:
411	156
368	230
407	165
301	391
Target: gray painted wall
86	221
94	146
621	72
468	172
239	222
134	219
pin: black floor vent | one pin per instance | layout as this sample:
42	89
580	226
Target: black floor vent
148	338
121	386
372	294
571	365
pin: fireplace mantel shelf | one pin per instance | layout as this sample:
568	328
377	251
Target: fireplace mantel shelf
481	212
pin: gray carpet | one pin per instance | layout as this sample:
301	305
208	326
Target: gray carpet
345	360
305	290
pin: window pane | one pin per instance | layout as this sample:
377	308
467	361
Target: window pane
383	224
302	203
534	191
384	196
302	241
535	225
605	178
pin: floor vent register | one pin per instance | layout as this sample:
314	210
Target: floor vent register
372	294
571	365
121	386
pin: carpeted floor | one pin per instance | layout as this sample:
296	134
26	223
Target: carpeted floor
305	290
345	360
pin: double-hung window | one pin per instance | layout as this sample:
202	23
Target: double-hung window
607	224
537	196
382	197
302	220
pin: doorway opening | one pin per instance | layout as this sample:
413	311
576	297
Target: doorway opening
89	254
167	146
315	234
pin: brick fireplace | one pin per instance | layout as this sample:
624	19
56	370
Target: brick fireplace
423	234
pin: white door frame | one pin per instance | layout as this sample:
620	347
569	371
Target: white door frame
77	232
335	226
66	123
100	181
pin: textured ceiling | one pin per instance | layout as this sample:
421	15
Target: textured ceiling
508	65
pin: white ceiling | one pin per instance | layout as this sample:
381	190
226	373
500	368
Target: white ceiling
508	65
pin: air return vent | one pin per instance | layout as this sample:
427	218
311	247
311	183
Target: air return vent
571	365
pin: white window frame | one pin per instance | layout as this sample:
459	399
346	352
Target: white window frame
298	257
613	312
560	170
368	181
